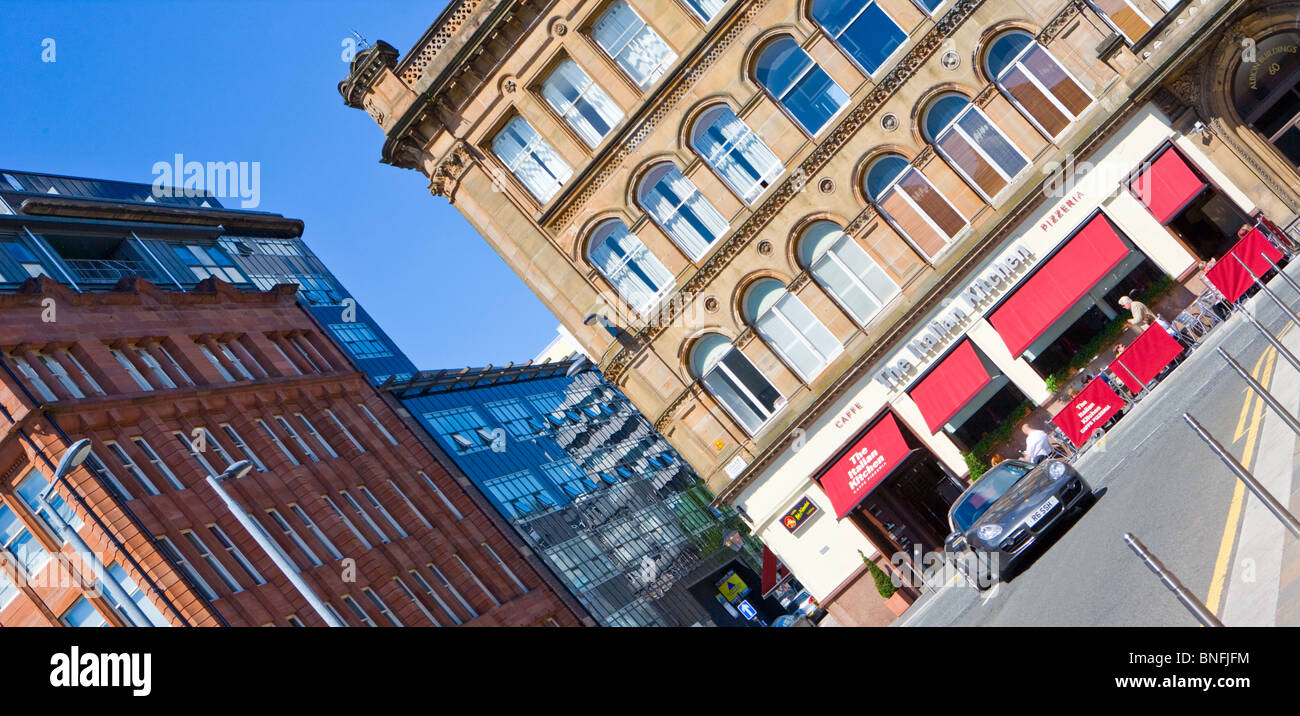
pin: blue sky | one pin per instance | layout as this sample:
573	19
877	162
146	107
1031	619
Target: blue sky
134	83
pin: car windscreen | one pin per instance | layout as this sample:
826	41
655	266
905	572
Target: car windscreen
992	485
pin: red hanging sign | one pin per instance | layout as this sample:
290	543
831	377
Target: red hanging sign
1145	357
1089	410
870	459
1229	277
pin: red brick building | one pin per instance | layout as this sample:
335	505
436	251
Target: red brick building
173	386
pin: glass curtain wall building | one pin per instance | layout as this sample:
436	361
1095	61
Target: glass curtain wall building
92	233
619	517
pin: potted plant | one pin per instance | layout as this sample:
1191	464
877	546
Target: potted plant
895	600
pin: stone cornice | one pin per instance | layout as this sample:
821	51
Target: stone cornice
786	191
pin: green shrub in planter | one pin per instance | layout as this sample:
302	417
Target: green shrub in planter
884	585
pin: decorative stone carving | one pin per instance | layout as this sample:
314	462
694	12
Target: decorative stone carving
889	122
924	49
826	186
446	176
559	27
509	85
1058	22
950	60
711	304
765	248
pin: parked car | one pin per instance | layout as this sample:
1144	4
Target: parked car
1009	510
803	604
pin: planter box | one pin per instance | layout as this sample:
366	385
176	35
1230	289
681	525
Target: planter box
898	603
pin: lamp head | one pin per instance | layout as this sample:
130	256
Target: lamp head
72	457
235	471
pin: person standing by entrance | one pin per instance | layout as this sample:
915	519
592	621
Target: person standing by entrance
1037	445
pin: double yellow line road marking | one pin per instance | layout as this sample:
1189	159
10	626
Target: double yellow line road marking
1249	423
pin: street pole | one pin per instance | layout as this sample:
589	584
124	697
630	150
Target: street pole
74	456
1188	600
271	548
1287	519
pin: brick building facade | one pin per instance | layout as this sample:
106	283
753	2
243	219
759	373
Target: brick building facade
173	386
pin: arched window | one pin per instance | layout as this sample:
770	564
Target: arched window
792	330
530	159
974	145
1266	92
729	376
1125	17
582	103
680	210
799	84
866	32
845	271
1035	82
735	153
912	204
628	265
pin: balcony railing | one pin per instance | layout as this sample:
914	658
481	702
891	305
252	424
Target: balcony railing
108	270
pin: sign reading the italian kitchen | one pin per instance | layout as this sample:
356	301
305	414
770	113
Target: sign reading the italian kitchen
799	514
1090	409
866	463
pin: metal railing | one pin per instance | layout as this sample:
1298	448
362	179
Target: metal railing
108	270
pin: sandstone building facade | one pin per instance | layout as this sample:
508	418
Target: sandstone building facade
828	245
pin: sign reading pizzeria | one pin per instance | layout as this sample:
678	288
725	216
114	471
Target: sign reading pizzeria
799	515
866	463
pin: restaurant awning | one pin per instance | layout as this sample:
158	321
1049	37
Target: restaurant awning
1048	294
867	462
1167	186
774	572
950	385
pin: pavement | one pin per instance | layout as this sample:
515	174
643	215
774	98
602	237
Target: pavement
1158	480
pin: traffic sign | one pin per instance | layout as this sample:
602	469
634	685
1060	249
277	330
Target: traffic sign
747	610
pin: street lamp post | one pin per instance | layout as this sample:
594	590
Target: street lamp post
71	459
234	472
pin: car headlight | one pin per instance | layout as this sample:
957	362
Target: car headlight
989	532
1056	470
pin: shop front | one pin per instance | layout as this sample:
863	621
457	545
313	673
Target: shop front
884	461
893	488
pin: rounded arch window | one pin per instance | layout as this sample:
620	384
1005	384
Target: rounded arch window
799	84
1035	82
632	269
912	204
678	207
973	144
735	152
845	271
786	324
734	381
1266	92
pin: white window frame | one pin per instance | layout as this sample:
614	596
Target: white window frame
391	440
664	62
311	429
479	582
211	560
122	457
446	584
288	531
347	433
90	380
1017	61
195	454
339	513
380	605
419	604
740	385
130	368
894	188
302	444
428	589
278	442
224	541
955	126
244	447
176	556
777	313
451	506
358	612
154	366
212	358
505	568
356	506
831	255
301	513
60	374
152	456
410	504
34	378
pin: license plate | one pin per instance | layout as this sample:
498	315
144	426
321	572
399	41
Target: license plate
1041	512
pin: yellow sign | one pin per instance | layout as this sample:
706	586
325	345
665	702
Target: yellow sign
733	586
718	445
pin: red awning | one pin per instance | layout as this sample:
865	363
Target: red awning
1059	284
950	386
1145	357
774	573
1090	409
863	467
1227	274
1167	186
